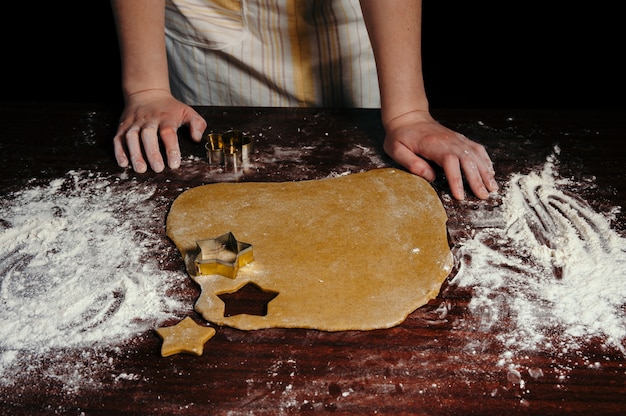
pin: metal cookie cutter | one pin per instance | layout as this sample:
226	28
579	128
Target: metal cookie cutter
230	150
223	255
215	149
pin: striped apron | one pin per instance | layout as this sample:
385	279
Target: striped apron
272	53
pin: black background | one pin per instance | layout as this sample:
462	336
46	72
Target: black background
505	54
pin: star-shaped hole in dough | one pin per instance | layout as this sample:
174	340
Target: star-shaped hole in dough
184	337
223	255
249	299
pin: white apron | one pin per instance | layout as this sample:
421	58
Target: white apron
271	53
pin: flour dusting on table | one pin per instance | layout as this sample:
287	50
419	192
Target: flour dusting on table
550	274
77	271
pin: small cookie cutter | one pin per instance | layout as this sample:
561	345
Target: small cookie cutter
230	150
215	149
223	255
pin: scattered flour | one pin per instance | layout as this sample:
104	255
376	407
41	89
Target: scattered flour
78	271
552	276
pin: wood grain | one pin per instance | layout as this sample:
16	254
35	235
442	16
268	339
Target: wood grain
430	364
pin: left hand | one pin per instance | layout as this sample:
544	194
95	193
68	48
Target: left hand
415	138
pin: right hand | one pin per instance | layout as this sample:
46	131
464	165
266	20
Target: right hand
150	116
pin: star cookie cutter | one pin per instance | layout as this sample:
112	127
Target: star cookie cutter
223	255
230	150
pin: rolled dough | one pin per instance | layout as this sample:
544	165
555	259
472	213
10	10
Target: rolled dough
356	252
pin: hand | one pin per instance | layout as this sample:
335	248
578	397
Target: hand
149	116
416	137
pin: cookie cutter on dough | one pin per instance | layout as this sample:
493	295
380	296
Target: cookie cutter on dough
223	255
230	150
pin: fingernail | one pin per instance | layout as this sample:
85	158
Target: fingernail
173	159
158	167
139	167
174	162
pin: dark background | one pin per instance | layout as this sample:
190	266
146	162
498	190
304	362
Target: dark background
505	54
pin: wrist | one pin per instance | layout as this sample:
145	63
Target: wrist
147	92
396	104
391	122
136	84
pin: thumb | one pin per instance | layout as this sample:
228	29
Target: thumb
197	126
413	163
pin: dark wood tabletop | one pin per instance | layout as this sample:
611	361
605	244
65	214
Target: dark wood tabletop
423	366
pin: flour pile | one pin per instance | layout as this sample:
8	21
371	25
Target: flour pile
78	268
552	275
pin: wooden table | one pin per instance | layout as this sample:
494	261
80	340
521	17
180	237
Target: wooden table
418	367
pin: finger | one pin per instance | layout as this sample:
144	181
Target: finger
197	126
487	171
452	169
484	156
484	166
477	159
413	163
473	175
150	142
172	149
488	177
119	151
134	150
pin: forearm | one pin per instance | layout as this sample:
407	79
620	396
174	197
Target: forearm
394	27
140	26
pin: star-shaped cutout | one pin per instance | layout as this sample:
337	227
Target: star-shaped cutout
223	255
249	299
186	337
